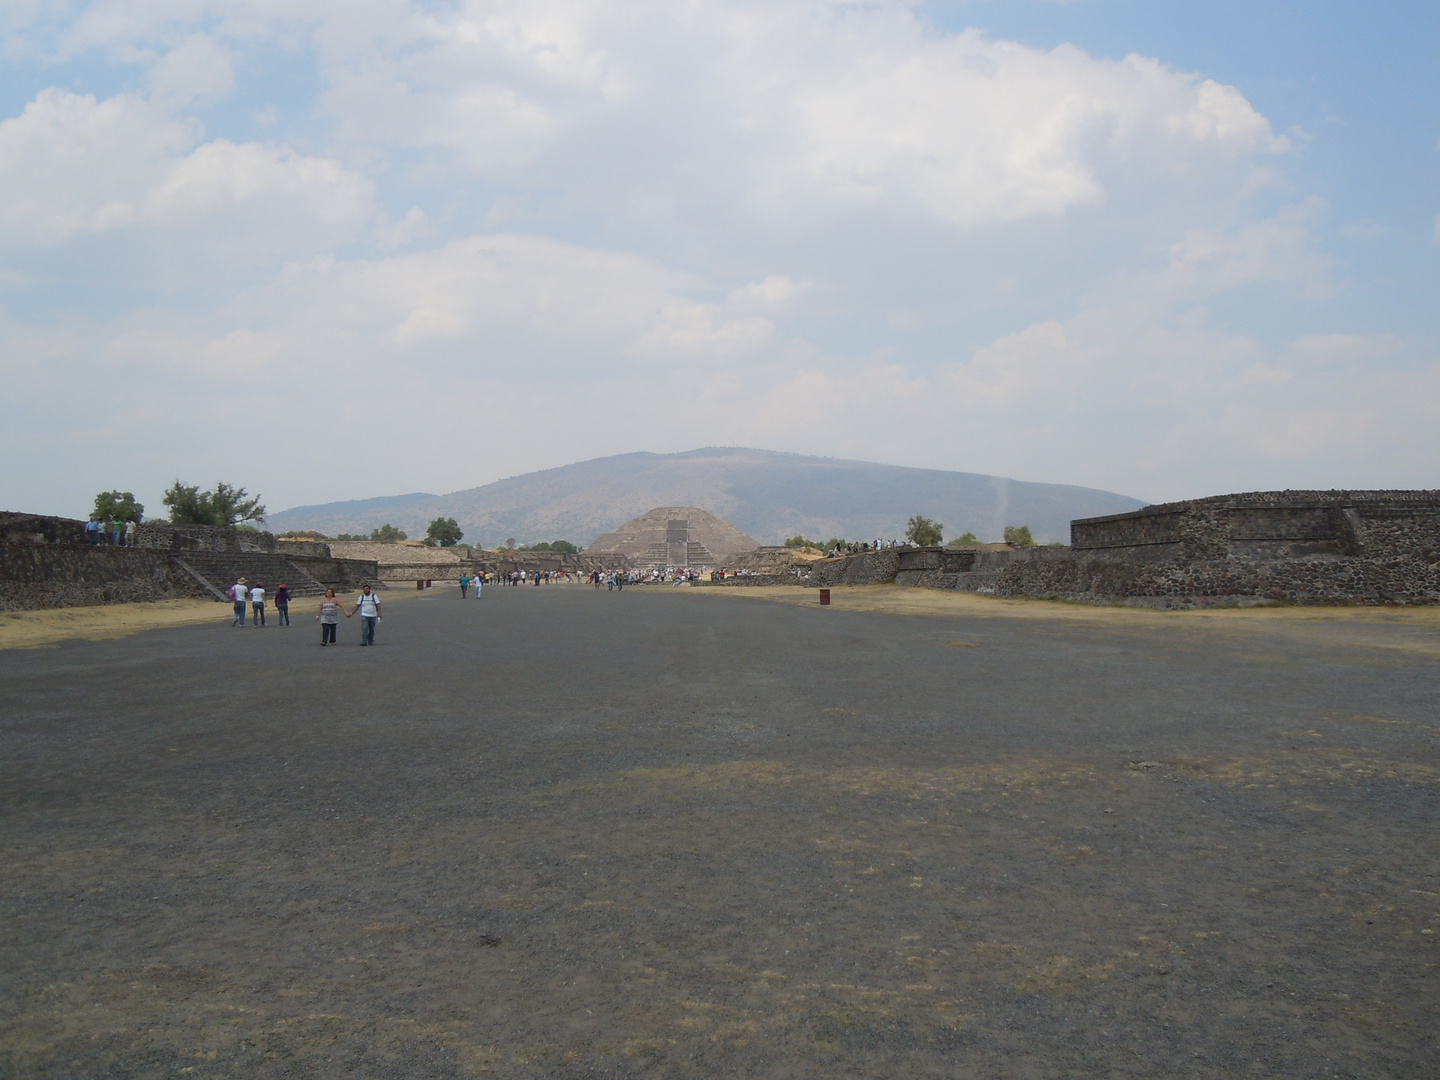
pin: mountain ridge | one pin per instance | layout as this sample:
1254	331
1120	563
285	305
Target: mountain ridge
766	493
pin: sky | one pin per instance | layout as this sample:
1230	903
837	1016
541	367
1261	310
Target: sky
332	250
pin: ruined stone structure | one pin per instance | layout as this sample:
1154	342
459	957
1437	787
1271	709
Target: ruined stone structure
47	562
675	536
1303	547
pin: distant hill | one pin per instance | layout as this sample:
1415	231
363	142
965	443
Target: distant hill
767	494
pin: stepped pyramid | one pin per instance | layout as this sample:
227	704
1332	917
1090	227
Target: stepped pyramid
675	536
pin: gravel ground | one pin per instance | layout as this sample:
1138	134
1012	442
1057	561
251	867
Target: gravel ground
659	833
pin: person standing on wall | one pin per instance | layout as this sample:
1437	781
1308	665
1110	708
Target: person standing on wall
282	605
329	618
257	603
367	606
240	594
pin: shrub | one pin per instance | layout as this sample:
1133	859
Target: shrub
1019	536
388	534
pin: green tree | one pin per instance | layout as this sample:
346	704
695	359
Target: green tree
798	541
387	534
1019	536
923	532
565	547
964	540
226	505
117	506
443	531
307	534
544	545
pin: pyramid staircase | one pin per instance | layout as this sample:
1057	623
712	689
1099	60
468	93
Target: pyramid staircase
216	571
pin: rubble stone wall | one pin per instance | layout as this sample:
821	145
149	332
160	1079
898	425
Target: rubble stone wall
160	536
35	576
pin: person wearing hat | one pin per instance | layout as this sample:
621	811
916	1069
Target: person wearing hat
282	605
257	602
240	594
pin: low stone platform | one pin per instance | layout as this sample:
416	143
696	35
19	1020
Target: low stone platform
1302	547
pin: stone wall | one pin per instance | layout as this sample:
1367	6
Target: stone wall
1267	525
160	536
1225	581
1263	547
40	529
42	575
867	568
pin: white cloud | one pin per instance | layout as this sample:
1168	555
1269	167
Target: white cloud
71	165
802	224
1282	248
197	68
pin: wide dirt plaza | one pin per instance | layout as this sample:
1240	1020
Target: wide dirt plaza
700	832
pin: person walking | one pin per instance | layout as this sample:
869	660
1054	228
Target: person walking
464	585
367	606
478	580
257	604
282	605
239	593
328	618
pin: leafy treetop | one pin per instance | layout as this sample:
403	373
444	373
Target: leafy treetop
967	539
444	532
387	534
1019	536
923	532
226	505
117	506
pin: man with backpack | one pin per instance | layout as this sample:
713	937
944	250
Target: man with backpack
367	606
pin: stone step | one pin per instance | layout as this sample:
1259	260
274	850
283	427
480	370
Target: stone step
220	570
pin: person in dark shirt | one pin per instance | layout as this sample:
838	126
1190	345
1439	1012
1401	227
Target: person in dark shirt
282	605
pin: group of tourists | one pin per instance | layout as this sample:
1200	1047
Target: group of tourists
840	550
117	533
367	606
242	593
534	577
